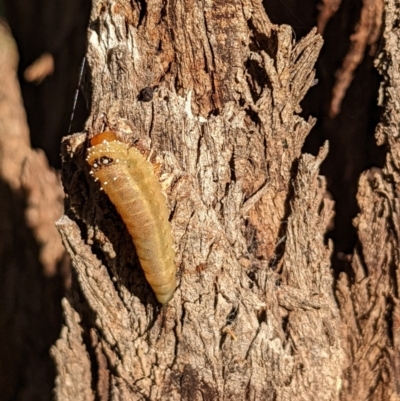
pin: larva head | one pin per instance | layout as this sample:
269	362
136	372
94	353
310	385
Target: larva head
108	136
105	150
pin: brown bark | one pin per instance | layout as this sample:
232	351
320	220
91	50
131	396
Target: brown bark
367	34
31	253
254	315
369	298
213	89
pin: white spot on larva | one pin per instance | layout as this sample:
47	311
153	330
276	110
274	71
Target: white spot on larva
105	182
115	179
95	165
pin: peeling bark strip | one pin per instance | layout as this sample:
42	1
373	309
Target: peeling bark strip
129	181
253	316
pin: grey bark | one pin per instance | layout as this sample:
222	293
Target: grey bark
254	315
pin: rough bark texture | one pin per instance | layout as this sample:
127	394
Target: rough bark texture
254	315
31	253
369	298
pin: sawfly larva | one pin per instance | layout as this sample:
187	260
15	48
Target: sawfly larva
132	186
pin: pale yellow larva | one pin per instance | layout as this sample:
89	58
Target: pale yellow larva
129	181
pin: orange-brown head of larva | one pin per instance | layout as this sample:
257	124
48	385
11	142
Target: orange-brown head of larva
107	136
105	151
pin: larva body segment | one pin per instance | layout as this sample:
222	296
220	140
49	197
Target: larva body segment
129	181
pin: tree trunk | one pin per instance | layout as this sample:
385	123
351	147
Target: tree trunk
214	92
213	88
369	296
34	267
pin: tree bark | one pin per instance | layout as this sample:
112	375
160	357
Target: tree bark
34	267
254	315
210	92
368	297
